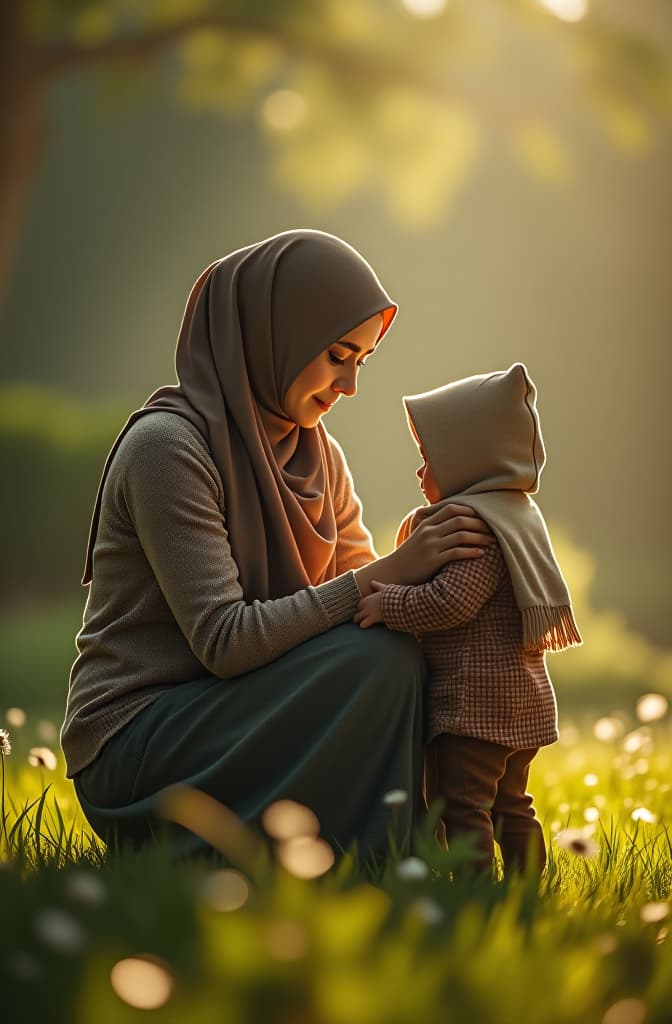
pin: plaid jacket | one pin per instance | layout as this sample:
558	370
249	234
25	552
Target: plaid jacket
482	683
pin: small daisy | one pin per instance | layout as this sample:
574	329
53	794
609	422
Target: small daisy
395	797
412	869
578	841
5	745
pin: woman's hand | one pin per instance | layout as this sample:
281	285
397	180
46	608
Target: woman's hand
369	610
451	533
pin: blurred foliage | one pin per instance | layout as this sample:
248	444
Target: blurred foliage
369	97
591	943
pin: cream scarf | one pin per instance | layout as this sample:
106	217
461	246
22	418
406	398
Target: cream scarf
482	440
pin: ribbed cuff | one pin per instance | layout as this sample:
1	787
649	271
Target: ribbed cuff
339	598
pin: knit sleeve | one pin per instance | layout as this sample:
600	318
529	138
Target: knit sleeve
354	545
456	594
171	490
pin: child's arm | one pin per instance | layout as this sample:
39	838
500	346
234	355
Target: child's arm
456	594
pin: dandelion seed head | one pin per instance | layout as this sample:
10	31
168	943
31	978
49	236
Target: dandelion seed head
5	745
16	717
651	707
286	819
42	757
285	939
142	981
305	856
412	869
225	890
652	913
643	814
395	798
626	1011
60	931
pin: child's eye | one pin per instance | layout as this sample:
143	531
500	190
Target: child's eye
362	362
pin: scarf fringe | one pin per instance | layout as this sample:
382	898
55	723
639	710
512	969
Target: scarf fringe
550	629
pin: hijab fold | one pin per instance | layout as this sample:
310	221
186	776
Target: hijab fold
482	440
253	321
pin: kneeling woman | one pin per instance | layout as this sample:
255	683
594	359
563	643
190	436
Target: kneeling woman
226	558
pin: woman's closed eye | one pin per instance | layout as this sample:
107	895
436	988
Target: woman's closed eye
341	362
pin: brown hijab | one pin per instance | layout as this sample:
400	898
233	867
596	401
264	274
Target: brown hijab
252	322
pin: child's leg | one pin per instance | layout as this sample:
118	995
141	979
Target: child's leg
465	773
519	833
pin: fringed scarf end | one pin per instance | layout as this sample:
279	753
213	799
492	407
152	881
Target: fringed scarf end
550	629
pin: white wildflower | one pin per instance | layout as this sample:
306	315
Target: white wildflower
578	841
412	869
5	745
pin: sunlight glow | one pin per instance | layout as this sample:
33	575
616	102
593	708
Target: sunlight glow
285	939
16	717
283	110
142	982
567	10
424	8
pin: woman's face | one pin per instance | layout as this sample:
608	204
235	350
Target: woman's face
331	374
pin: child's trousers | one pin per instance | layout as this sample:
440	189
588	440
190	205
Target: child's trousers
482	786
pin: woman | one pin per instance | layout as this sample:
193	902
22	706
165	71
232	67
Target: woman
225	562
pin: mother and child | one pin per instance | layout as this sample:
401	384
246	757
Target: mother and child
225	642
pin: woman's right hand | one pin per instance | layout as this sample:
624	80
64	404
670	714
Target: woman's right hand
452	533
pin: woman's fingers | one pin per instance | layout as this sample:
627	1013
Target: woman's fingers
457	554
461	521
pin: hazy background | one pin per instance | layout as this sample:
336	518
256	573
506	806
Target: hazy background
506	171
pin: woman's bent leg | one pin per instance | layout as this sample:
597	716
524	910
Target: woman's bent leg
334	724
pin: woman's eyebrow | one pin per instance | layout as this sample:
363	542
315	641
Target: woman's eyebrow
354	348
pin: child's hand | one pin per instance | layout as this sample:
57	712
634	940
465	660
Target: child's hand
369	610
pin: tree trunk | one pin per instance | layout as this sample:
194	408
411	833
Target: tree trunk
21	134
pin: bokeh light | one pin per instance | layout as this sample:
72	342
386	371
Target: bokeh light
626	1011
225	890
424	8
285	819
651	707
305	856
567	10
16	717
283	110
142	981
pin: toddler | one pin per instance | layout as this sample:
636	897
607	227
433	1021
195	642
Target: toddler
484	623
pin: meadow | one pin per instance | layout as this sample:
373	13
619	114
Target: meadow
272	931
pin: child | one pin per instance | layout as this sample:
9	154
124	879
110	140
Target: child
485	623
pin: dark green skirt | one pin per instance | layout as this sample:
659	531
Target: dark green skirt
335	724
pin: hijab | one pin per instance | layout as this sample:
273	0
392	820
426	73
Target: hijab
253	321
482	440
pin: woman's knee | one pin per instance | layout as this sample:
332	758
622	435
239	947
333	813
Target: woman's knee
390	653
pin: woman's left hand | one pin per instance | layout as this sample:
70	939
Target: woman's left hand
369	610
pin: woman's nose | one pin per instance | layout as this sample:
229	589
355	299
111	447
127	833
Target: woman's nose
346	384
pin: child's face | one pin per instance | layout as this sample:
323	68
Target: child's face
428	484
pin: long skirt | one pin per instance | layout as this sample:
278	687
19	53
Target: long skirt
335	724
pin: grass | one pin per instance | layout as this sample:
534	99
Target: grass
86	934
